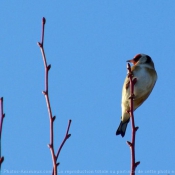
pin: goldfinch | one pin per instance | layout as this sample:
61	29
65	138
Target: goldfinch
146	75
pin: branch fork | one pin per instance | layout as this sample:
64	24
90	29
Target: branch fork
131	112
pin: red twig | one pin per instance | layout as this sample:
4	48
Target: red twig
134	129
1	122
46	94
67	135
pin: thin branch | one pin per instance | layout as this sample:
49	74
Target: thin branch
67	135
2	115
46	94
134	129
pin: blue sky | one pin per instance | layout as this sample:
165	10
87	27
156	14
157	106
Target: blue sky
87	43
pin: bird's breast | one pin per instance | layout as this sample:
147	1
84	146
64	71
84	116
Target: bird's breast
146	79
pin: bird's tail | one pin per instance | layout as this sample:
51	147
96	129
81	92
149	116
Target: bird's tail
122	128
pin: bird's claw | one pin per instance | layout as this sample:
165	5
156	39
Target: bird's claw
134	80
130	74
132	96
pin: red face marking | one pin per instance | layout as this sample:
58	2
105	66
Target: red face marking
137	58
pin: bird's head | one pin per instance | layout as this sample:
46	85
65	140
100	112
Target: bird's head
142	59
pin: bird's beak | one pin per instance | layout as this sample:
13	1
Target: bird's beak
131	61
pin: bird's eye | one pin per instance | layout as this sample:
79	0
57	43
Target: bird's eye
137	58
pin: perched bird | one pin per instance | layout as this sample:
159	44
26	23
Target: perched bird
146	75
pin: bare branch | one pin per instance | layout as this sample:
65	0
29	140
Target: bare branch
2	115
134	129
46	94
67	135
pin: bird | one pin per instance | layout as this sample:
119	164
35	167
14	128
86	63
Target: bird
144	71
